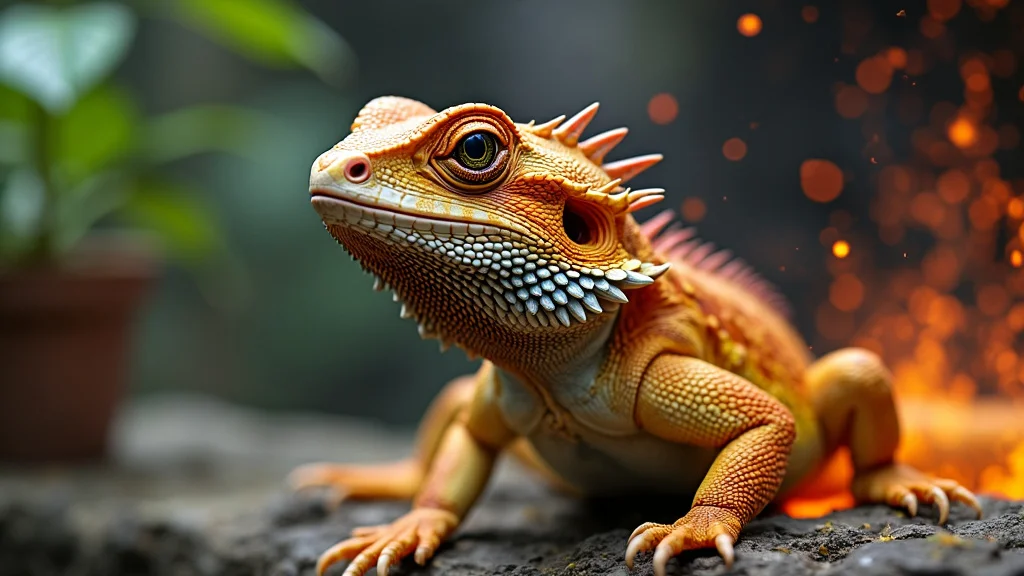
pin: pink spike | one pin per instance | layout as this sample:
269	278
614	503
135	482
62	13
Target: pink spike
716	260
731	269
656	224
674	239
644	202
702	251
630	167
569	133
681	251
596	147
544	130
665	238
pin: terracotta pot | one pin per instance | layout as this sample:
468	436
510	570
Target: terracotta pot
64	335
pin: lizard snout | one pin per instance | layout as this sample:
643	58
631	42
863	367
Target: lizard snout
337	166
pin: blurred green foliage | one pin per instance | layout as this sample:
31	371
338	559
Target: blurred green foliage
76	150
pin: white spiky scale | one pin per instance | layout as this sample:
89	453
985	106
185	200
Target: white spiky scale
513	278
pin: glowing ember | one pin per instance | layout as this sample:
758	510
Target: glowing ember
663	108
821	180
841	249
749	25
694	209
962	133
734	149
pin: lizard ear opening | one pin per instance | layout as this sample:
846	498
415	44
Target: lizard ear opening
576	226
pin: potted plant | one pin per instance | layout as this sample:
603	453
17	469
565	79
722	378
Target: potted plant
89	208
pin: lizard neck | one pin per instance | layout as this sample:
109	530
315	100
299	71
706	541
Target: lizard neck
558	361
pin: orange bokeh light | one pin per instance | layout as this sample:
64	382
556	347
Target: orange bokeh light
851	102
1016	259
821	180
943	10
840	249
846	292
694	209
663	108
749	25
978	82
809	14
897	57
1015	208
962	133
734	149
874	74
953	186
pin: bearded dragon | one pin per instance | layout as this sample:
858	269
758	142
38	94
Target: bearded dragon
618	357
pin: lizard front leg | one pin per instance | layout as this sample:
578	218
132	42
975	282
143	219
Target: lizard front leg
689	401
457	474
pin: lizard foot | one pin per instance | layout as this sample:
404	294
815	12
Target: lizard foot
419	532
902	486
702	527
397	480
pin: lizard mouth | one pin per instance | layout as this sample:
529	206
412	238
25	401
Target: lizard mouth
347	211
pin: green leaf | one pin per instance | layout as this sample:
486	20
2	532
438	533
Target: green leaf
174	214
13	142
21	212
55	54
189	235
85	205
199	129
97	132
274	33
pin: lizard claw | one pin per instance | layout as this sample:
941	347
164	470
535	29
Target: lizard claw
702	527
419	533
723	543
904	487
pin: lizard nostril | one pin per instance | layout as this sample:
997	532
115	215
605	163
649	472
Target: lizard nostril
357	170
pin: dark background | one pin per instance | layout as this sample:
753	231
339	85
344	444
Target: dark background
302	329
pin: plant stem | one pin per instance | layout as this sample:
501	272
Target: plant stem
41	160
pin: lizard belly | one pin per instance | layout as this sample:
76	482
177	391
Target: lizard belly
604	465
596	451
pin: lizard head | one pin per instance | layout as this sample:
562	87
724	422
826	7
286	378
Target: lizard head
490	232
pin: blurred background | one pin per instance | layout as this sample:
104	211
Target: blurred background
864	156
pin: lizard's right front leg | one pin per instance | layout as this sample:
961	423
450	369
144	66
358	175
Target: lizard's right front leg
457	475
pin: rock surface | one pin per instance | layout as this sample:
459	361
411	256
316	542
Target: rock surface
194	488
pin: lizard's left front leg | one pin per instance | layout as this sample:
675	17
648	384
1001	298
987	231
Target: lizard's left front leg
456	477
690	401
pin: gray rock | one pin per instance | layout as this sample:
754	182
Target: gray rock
206	499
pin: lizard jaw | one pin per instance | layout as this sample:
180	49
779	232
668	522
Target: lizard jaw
507	276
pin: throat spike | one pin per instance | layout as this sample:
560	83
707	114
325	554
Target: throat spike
638	199
569	133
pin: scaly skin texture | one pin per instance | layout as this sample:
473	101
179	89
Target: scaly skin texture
619	357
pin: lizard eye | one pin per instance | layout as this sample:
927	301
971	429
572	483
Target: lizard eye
476	151
478	159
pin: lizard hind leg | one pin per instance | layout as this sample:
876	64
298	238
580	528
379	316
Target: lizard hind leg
398	480
852	395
